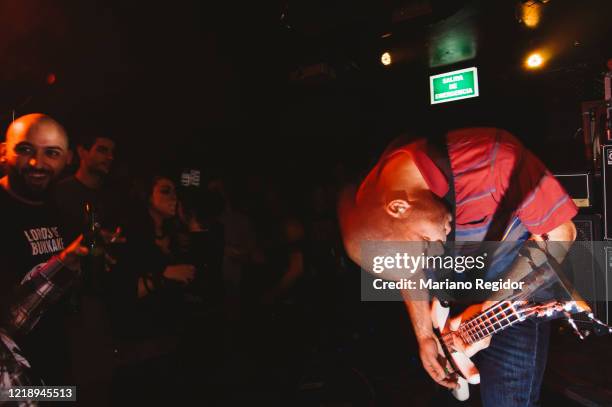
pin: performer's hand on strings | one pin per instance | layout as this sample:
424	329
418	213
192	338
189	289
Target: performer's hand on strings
470	349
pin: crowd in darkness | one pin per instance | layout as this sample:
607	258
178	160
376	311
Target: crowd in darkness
191	288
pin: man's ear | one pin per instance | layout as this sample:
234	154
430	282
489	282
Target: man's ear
397	208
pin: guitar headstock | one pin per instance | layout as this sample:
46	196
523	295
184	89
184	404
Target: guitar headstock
566	308
551	308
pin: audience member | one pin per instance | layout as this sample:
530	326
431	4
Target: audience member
150	305
90	327
35	152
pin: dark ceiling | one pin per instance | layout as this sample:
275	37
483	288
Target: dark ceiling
428	37
218	76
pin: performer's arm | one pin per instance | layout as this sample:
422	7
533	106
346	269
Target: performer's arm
555	243
429	351
561	237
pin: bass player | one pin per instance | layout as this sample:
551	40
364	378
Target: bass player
474	184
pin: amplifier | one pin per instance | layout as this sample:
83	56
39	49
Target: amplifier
590	276
608	287
578	186
606	170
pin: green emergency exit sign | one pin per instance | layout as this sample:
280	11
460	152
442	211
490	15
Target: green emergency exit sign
456	85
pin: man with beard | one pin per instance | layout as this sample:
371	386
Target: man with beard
35	152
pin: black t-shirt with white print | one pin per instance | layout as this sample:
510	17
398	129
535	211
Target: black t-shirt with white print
31	235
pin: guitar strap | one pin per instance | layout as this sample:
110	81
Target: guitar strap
437	151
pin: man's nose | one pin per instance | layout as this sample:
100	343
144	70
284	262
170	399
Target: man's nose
35	162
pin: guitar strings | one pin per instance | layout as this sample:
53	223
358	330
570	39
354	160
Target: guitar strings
478	327
498	309
471	337
478	332
465	328
475	328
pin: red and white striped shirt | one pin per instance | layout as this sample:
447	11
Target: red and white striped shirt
498	185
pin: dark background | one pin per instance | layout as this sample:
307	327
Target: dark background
208	84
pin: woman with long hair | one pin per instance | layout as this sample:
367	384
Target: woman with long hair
151	279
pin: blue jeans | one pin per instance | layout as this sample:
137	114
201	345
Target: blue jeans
512	367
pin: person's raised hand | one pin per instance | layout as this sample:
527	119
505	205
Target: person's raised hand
71	255
112	237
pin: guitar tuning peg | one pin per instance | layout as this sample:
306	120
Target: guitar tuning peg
598	322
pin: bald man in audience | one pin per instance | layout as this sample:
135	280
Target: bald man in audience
35	153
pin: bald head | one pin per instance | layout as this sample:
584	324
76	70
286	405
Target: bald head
36	122
393	203
36	152
364	220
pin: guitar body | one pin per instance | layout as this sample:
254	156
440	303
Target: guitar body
461	337
456	352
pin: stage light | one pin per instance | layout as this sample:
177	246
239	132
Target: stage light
385	58
534	60
531	13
